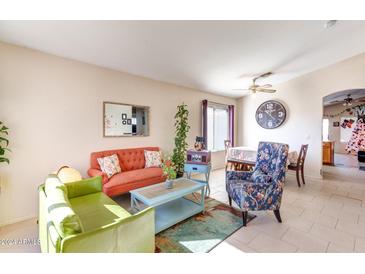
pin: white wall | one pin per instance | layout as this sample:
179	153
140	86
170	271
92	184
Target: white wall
53	107
302	98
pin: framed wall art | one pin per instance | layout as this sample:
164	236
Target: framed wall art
124	120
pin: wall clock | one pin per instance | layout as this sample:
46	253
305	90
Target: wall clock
270	114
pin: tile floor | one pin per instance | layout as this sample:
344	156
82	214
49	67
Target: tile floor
323	216
346	160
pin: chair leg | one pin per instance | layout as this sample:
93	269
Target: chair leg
302	171
298	181
277	215
230	200
244	217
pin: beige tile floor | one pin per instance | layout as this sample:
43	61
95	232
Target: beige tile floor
323	216
346	160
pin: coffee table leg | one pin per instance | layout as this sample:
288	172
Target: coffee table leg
207	175
132	201
202	199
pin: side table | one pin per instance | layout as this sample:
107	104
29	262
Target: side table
199	168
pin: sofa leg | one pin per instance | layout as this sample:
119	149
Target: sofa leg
277	215
230	200
244	217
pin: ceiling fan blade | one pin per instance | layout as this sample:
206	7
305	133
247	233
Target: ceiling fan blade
266	90
242	89
266	86
267	74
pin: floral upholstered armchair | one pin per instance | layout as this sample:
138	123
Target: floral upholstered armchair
262	188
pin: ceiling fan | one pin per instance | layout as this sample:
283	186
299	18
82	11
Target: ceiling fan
260	88
348	101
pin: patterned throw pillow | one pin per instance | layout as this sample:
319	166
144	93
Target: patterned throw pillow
109	165
153	158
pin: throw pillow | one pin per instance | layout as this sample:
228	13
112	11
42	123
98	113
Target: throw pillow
152	158
109	165
60	212
67	174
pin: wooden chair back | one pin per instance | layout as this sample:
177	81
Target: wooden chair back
302	155
227	145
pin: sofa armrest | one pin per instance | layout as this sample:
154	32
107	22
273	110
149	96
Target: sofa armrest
92	172
84	187
134	234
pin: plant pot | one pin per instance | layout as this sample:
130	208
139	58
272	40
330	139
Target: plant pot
179	174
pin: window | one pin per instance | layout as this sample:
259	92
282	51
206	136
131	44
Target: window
325	127
218	126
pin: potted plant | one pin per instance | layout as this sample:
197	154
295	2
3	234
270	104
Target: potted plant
181	129
169	171
4	143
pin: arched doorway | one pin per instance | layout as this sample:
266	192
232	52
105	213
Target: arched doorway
343	132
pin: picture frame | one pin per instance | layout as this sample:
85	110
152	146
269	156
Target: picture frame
125	120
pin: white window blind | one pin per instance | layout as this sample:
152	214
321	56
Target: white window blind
218	126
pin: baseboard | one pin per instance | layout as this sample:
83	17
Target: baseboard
17	220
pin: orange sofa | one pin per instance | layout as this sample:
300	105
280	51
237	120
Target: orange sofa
134	174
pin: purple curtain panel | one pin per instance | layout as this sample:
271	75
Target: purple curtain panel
231	123
205	121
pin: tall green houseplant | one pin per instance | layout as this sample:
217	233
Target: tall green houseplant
4	143
181	129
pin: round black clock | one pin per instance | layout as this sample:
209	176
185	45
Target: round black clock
270	114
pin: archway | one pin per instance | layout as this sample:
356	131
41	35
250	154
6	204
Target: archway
342	134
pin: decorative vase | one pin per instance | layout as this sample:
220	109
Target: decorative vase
169	184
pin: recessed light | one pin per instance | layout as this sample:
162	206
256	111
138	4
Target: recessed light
330	24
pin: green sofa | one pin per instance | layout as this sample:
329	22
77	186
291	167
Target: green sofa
106	226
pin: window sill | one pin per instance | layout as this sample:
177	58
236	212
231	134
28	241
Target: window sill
217	150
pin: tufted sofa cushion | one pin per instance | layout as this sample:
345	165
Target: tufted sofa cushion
129	180
133	175
129	159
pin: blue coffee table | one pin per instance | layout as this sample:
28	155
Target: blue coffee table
171	206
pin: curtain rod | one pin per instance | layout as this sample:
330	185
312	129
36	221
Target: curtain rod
218	103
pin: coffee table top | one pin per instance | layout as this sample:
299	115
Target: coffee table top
158	193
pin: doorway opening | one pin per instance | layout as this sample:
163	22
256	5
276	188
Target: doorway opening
343	130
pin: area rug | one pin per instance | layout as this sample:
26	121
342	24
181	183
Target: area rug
202	232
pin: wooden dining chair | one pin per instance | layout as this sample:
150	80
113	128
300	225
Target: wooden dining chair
299	165
227	145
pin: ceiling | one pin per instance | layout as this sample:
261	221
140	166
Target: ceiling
213	56
339	97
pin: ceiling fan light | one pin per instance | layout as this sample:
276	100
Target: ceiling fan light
330	24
